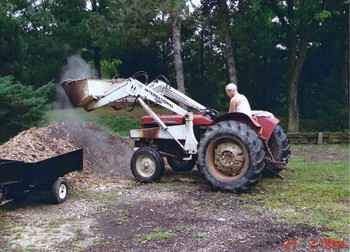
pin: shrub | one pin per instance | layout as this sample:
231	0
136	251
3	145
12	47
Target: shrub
21	106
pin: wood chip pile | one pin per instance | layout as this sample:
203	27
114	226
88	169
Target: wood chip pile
34	144
105	155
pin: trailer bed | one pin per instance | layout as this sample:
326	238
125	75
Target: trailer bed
18	176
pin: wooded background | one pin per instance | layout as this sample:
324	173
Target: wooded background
288	57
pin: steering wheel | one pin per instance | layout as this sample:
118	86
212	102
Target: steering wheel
212	113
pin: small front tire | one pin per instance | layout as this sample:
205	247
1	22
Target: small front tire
147	165
59	191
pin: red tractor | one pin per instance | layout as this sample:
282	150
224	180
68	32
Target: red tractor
232	150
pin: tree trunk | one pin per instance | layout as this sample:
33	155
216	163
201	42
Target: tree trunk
229	50
176	33
295	66
201	67
293	108
347	60
230	58
97	62
293	71
96	50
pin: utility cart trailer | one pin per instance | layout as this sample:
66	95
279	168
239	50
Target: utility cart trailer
18	178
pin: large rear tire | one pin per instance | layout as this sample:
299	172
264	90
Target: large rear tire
231	156
280	150
147	165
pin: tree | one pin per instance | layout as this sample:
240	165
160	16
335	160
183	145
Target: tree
226	28
300	20
176	40
176	9
21	106
347	57
221	14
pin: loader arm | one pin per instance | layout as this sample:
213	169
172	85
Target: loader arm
132	88
165	89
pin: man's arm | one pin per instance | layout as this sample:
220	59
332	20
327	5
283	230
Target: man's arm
233	105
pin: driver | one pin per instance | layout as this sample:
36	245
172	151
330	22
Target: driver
238	102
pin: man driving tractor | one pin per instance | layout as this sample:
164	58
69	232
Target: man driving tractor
238	102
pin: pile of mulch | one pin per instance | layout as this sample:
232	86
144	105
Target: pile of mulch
105	155
34	145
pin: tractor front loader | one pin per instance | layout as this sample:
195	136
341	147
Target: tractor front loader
232	150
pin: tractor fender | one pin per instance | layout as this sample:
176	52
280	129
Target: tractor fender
263	125
268	125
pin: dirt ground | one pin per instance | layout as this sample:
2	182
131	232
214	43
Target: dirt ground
181	213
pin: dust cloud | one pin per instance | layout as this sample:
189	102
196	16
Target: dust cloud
75	69
105	154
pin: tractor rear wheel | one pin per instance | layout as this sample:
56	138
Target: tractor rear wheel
231	156
147	165
280	150
179	165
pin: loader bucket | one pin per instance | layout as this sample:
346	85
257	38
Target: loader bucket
84	91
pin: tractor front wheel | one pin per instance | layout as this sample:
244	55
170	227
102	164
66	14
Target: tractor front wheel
147	165
231	156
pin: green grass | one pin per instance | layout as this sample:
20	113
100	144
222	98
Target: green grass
315	193
200	236
157	234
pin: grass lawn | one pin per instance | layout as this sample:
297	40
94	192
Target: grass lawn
315	193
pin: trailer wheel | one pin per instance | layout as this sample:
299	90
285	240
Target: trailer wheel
147	165
231	156
59	191
178	165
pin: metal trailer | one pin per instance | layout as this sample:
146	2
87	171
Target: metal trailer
18	179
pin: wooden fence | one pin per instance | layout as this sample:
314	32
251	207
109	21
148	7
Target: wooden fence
319	138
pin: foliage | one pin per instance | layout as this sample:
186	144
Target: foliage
110	68
117	124
126	36
21	106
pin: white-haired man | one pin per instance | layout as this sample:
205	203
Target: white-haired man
238	102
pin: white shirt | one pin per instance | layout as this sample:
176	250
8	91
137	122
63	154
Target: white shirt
243	105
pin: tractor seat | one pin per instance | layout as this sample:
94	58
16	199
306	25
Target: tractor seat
198	119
